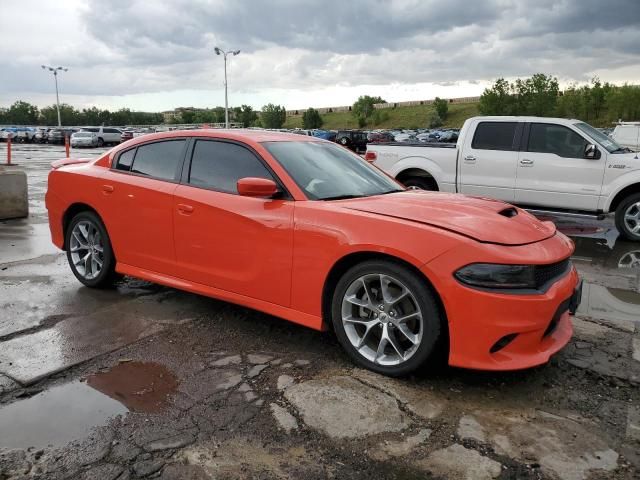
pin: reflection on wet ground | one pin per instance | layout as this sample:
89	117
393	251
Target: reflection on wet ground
55	417
608	303
67	412
141	387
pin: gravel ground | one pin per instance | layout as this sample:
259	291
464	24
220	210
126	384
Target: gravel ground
144	381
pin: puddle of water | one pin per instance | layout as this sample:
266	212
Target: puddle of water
141	387
55	417
606	303
68	412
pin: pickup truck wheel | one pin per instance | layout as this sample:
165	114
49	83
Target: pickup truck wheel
386	317
628	217
421	183
100	142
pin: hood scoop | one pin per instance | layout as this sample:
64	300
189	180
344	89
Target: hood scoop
508	212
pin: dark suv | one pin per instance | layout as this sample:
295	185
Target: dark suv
352	139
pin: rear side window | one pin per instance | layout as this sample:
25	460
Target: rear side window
111	130
159	159
94	130
494	136
550	138
125	160
219	166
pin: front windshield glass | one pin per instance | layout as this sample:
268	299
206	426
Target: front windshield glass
600	137
325	171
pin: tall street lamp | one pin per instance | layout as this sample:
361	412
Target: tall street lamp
219	51
55	70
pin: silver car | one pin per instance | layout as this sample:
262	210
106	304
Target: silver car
84	139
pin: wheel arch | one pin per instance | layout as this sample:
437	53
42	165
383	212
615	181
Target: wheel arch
413	172
71	212
346	262
622	194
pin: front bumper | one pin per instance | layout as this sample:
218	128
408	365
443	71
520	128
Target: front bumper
500	330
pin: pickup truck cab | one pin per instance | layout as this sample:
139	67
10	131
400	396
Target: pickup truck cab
540	163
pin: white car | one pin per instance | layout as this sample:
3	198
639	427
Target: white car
627	134
540	163
106	135
84	139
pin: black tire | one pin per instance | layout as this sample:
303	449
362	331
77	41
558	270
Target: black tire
100	142
422	183
432	317
107	275
631	204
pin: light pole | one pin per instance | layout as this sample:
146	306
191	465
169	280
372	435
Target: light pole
55	76
219	51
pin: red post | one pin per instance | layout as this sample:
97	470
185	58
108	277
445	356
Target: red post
66	145
9	148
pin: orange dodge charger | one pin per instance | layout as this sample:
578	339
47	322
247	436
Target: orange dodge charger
303	229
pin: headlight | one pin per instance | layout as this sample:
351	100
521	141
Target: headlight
488	275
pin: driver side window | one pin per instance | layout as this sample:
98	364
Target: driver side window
550	138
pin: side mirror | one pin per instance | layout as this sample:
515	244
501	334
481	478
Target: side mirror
591	152
257	187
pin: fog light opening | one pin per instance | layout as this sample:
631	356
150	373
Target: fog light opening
503	342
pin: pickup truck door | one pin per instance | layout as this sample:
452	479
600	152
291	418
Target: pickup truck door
487	160
553	172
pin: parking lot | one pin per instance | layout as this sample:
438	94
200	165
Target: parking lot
144	380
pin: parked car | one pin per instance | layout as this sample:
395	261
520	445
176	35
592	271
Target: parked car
18	134
542	163
379	137
57	135
355	140
84	139
126	135
42	135
325	134
106	135
316	235
628	135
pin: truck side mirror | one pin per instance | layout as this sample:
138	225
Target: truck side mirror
591	152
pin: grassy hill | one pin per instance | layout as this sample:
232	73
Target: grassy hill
399	117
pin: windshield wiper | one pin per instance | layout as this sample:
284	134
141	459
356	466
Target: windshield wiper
622	150
390	191
342	197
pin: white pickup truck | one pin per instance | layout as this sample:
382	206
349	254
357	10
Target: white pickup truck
539	163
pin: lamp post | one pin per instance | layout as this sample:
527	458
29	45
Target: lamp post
219	51
55	70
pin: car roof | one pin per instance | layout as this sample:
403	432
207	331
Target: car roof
239	134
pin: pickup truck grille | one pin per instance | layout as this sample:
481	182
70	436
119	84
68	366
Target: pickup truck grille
545	274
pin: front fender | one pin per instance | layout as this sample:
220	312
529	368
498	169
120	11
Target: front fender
613	188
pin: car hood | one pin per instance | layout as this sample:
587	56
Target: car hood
482	219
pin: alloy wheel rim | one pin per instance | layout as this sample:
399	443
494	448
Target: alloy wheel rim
87	249
632	218
382	319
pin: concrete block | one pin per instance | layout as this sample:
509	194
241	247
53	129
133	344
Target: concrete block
14	200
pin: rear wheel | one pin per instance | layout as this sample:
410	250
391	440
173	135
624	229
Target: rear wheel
386	317
420	183
344	141
628	217
89	251
101	142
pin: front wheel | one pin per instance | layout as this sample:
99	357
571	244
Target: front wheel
386	317
628	217
420	183
89	251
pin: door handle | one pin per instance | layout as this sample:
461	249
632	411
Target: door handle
184	208
470	159
526	161
108	188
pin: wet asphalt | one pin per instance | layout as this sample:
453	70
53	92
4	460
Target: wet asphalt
147	381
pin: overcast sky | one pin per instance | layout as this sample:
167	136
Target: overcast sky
157	55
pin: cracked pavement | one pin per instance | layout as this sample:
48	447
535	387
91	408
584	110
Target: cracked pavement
144	381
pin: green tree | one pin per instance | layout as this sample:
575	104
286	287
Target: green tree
22	113
311	119
434	120
441	107
187	116
363	108
273	116
497	100
247	116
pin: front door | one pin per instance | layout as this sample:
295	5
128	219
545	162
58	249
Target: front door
230	242
553	171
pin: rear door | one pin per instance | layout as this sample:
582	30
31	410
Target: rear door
488	160
238	244
553	172
137	196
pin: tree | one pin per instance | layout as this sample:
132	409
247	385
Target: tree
273	116
22	113
442	107
247	116
363	108
434	120
497	100
311	119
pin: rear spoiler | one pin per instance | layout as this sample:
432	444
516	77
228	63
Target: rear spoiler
69	161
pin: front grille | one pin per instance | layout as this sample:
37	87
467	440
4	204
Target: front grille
545	274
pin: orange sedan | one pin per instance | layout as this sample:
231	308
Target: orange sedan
303	229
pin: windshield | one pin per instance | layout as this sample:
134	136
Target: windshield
325	171
83	134
600	137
